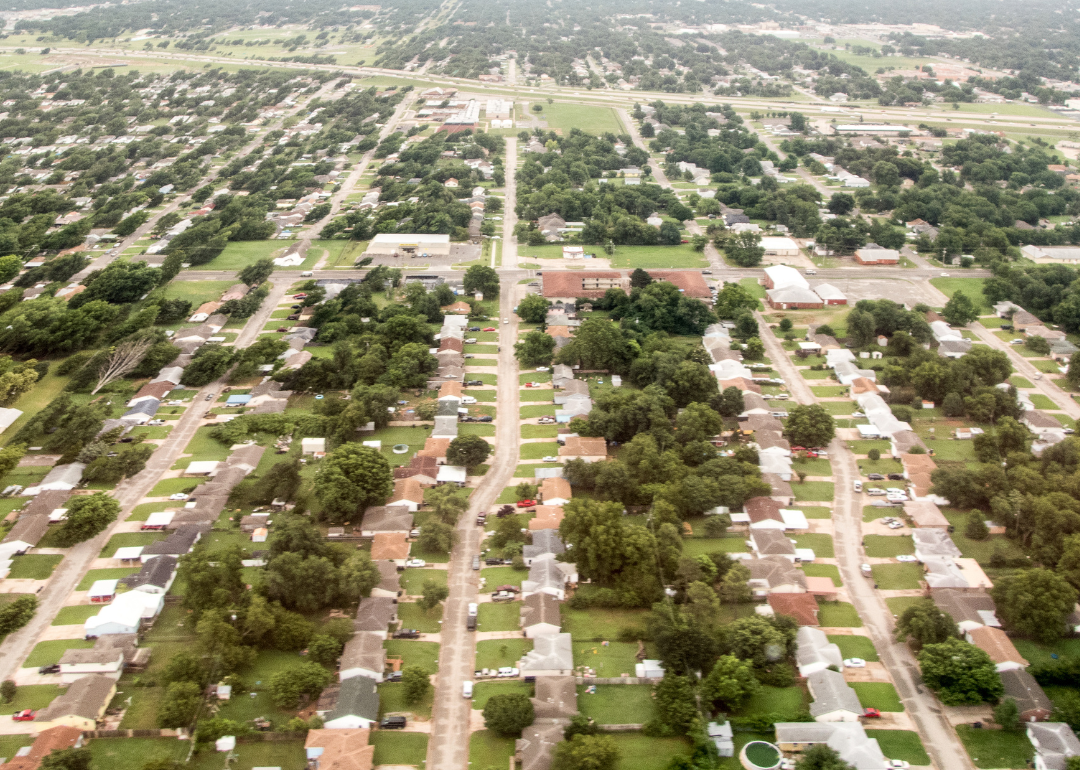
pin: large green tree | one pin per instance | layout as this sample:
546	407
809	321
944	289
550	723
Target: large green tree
468	450
535	349
533	309
924	624
351	478
481	278
586	752
1034	602
87	515
730	683
810	425
960	673
508	714
960	310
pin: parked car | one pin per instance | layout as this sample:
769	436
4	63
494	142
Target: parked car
474	328
416	563
502	596
896	477
299	296
51	669
473	608
872	713
866	570
26	715
875	492
470	341
876	476
476	562
481	520
507	671
541	368
392	723
550	459
906	558
858	486
470	623
854	663
898	764
526	503
485	418
407	633
393	676
490	329
474	382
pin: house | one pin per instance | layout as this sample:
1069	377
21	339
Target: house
793	298
1021	686
374	615
934	542
872	254
551	655
178	543
848	739
80	706
996	643
436	448
407	493
343	749
772	542
555	698
357	705
540	615
106	658
782	276
544	542
390	546
969	609
155	577
363	656
533	749
567	285
815	652
779	247
455	475
802	607
774	574
389	581
723	737
1054	743
834	699
690	282
918	469
589	449
47	741
555	491
545	576
830	295
125	615
926	515
313	446
386	518
548	517
561	374
60	478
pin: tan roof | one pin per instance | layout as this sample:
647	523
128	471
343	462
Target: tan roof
556	697
558	331
918	468
691	282
802	607
567	283
53	739
926	514
863	385
584	446
434	447
763	509
86	698
739	383
407	489
997	644
390	545
547	517
450	389
342	749
555	488
156	390
457	307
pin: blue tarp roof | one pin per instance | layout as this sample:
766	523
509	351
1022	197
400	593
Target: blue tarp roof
238	399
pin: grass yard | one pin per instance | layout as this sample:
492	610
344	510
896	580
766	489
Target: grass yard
815	491
413	653
196	292
31	696
980	550
140	704
815	512
996	748
888	546
393	747
9	744
812	466
879	695
539	450
590	119
488	749
838	615
597	624
901	744
539	431
412	580
972	287
167	487
130	539
1040	654
413	617
1042	402
617	704
829	391
639	752
528	470
788	701
824	570
34	566
485	690
239	254
898	604
820	543
104	574
392	701
134	753
504	616
288	755
497	653
77	615
855	646
501	576
616	659
47	653
696	546
897	577
537	410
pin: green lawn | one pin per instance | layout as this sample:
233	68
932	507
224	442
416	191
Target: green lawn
196	292
696	546
821	544
996	748
77	615
897	577
34	566
980	550
829	391
412	580
497	653
1038	654
972	287
488	749
9	744
485	690
501	576
616	659
888	546
114	573
1042	402
413	653
816	491
815	512
411	615
504	616
898	604
537	410
901	744
393	747
597	624
879	695
31	696
588	118
824	570
539	450
855	646
47	653
239	254
753	286
392	701
539	431
134	753
838	615
130	539
616	704
528	470
167	487
788	701
639	752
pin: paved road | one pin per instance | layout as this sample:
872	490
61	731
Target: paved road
509	241
448	748
937	734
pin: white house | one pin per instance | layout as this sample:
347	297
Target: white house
834	699
815	652
125	615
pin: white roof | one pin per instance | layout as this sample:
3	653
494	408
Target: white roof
772	243
103	588
203	466
128	552
398	239
454	474
783	276
316	444
376	444
160	518
868	431
794	519
827	291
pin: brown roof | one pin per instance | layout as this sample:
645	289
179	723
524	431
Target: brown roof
364	650
53	739
449	343
918	468
434	447
450	389
556	697
540	608
457	307
584	446
567	283
29	529
926	514
863	385
47	502
547	517
407	489
558	331
802	607
208	307
740	383
418	466
390	577
342	749
156	390
390	545
763	509
86	698
997	644
387	518
555	488
691	282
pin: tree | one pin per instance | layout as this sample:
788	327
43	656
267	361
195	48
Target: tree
732	301
639	279
735	588
960	673
676	708
959	310
302	584
435	537
810	425
535	349
67	759
483	279
351	478
288	686
730	683
324	650
886	174
416	681
431	594
87	515
10	456
9	267
1073	374
1034	602
469	451
180	705
509	714
953	405
754	349
8	690
17	381
745	249
1007	714
670	235
761	641
731	402
357	576
121	360
841	204
447	502
533	309
257	272
210	362
821	756
925	624
861	327
586	752
873	455
976	528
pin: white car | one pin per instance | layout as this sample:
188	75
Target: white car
507	671
416	563
470	341
855	663
895	525
906	558
468	400
550	459
899	764
875	492
1016	342
943	275
178	496
541	368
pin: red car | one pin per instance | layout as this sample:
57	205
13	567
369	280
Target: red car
26	715
526	503
490	329
798	449
299	296
872	713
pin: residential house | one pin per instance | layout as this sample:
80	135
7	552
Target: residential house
407	493
390	581
555	698
969	609
343	749
848	739
436	448
390	546
834	699
1021	686
774	574
533	749
934	542
386	518
60	478
357	705
815	652
555	491
544	542
551	655
545	576
178	543
155	577
540	615
925	514
107	657
424	469
80	706
374	615
125	615
1054	743
803	607
46	742
584	448
772	542
363	656
997	644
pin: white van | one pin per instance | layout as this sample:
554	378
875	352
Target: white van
306	274
858	486
466	689
472	609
